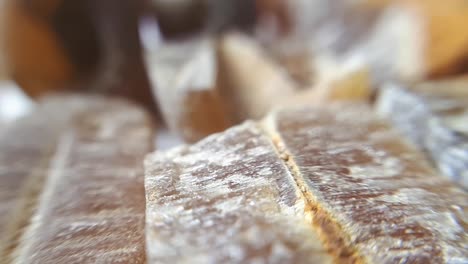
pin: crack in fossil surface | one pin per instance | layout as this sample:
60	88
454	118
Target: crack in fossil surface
227	199
333	182
330	233
374	198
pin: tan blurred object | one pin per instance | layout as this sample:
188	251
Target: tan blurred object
355	86
249	81
184	82
34	55
3	69
448	36
445	37
343	81
299	65
203	114
335	82
452	88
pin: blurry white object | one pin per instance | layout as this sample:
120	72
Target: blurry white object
13	102
150	34
176	70
166	140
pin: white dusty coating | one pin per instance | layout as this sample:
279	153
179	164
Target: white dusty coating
390	203
92	206
435	120
26	148
226	199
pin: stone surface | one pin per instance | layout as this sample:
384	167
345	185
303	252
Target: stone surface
434	116
91	208
26	149
335	179
374	196
227	199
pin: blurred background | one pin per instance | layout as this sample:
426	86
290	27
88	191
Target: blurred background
201	66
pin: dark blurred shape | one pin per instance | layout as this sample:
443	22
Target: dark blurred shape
184	18
74	24
231	14
177	18
77	45
278	10
121	69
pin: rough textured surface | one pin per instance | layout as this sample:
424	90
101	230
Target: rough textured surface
18	158
435	117
227	199
371	190
92	205
333	183
26	149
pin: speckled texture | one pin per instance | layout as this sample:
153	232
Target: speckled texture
434	116
389	204
310	185
227	199
26	149
92	207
